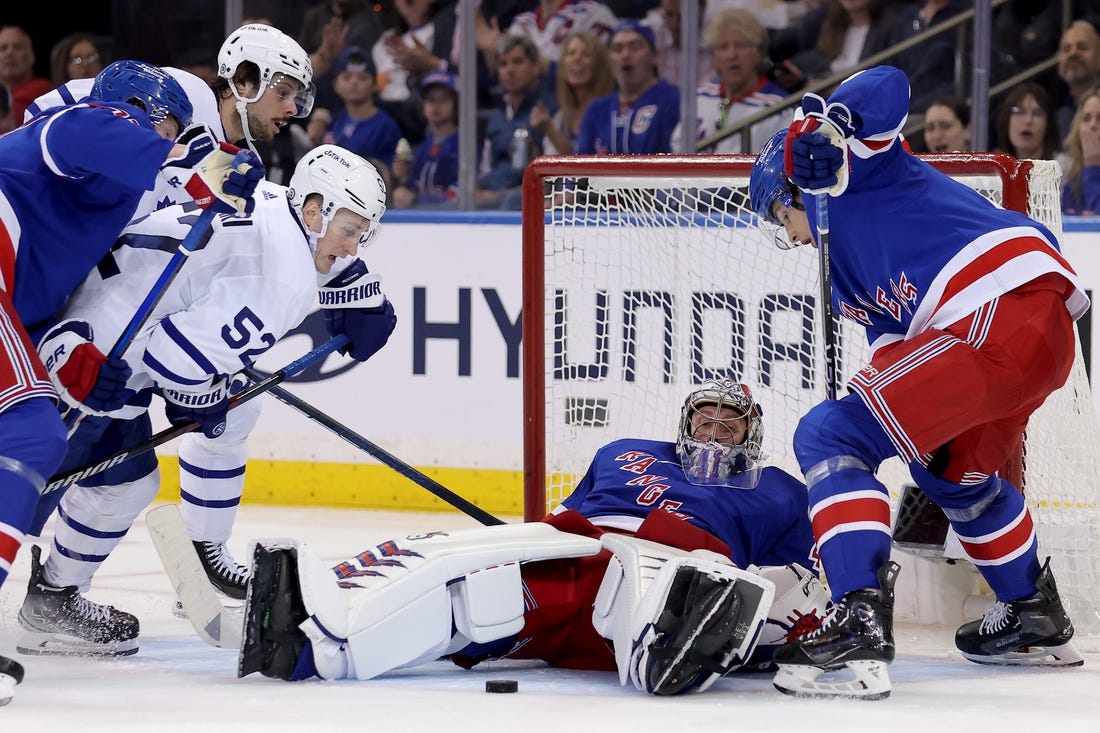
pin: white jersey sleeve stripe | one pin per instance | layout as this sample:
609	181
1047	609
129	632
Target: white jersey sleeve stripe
187	349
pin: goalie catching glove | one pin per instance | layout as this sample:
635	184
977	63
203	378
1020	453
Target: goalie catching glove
206	407
816	148
354	304
84	377
222	176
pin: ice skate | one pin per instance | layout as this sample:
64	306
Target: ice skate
274	609
227	576
11	674
61	621
1032	631
849	654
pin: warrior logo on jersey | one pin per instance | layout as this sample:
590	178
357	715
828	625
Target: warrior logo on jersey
642	119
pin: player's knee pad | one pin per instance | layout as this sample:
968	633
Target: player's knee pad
843	427
32	441
239	423
800	605
414	599
678	620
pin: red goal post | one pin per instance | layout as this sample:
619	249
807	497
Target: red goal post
642	275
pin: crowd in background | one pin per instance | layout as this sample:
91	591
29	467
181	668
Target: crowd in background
579	76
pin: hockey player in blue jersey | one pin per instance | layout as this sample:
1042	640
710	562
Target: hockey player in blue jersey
255	278
642	114
70	180
969	312
656	551
265	78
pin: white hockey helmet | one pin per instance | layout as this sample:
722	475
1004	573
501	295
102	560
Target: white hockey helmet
709	461
274	53
344	180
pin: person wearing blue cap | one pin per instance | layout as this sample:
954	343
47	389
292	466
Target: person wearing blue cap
361	126
432	180
641	116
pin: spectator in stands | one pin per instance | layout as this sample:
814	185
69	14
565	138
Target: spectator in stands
736	86
78	56
835	37
7	122
665	22
1078	67
947	125
641	116
1081	185
432	180
361	126
510	140
584	74
421	43
1025	33
547	24
930	65
17	69
1025	125
330	25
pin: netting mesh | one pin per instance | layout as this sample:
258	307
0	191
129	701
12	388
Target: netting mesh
653	283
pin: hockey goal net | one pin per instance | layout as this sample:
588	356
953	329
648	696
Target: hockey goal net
644	275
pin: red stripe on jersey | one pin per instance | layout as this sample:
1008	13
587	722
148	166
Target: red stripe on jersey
8	547
860	509
877	145
1003	546
993	259
7	259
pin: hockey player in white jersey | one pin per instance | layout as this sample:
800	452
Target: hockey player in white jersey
264	79
253	279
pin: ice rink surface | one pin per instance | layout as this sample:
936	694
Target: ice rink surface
177	683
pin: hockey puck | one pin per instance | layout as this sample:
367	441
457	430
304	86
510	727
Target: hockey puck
501	686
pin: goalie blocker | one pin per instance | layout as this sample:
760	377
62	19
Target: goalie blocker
678	620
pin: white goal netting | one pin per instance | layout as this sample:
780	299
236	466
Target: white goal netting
646	275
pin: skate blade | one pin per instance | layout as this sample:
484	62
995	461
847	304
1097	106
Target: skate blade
48	644
869	681
1063	655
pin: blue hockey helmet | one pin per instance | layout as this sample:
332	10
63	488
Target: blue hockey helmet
146	86
768	182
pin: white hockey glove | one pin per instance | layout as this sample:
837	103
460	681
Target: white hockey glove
215	174
354	304
816	148
85	379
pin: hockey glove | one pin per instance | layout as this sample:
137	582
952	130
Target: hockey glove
816	148
354	304
208	408
216	174
84	377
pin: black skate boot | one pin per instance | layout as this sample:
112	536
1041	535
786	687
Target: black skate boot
61	621
1033	631
11	674
223	571
857	635
274	609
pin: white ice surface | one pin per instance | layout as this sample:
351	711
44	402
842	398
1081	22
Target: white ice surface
177	683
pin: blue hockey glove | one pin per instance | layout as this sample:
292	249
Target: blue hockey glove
218	174
84	377
816	148
368	328
207	407
355	305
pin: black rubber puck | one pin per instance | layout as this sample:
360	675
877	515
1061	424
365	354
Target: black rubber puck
501	686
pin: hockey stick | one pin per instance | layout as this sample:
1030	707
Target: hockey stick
214	623
827	334
71	477
189	244
349	435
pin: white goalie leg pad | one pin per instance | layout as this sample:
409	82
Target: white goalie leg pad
635	590
397	604
800	604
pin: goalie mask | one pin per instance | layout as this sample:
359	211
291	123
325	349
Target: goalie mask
146	86
768	183
344	180
708	444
